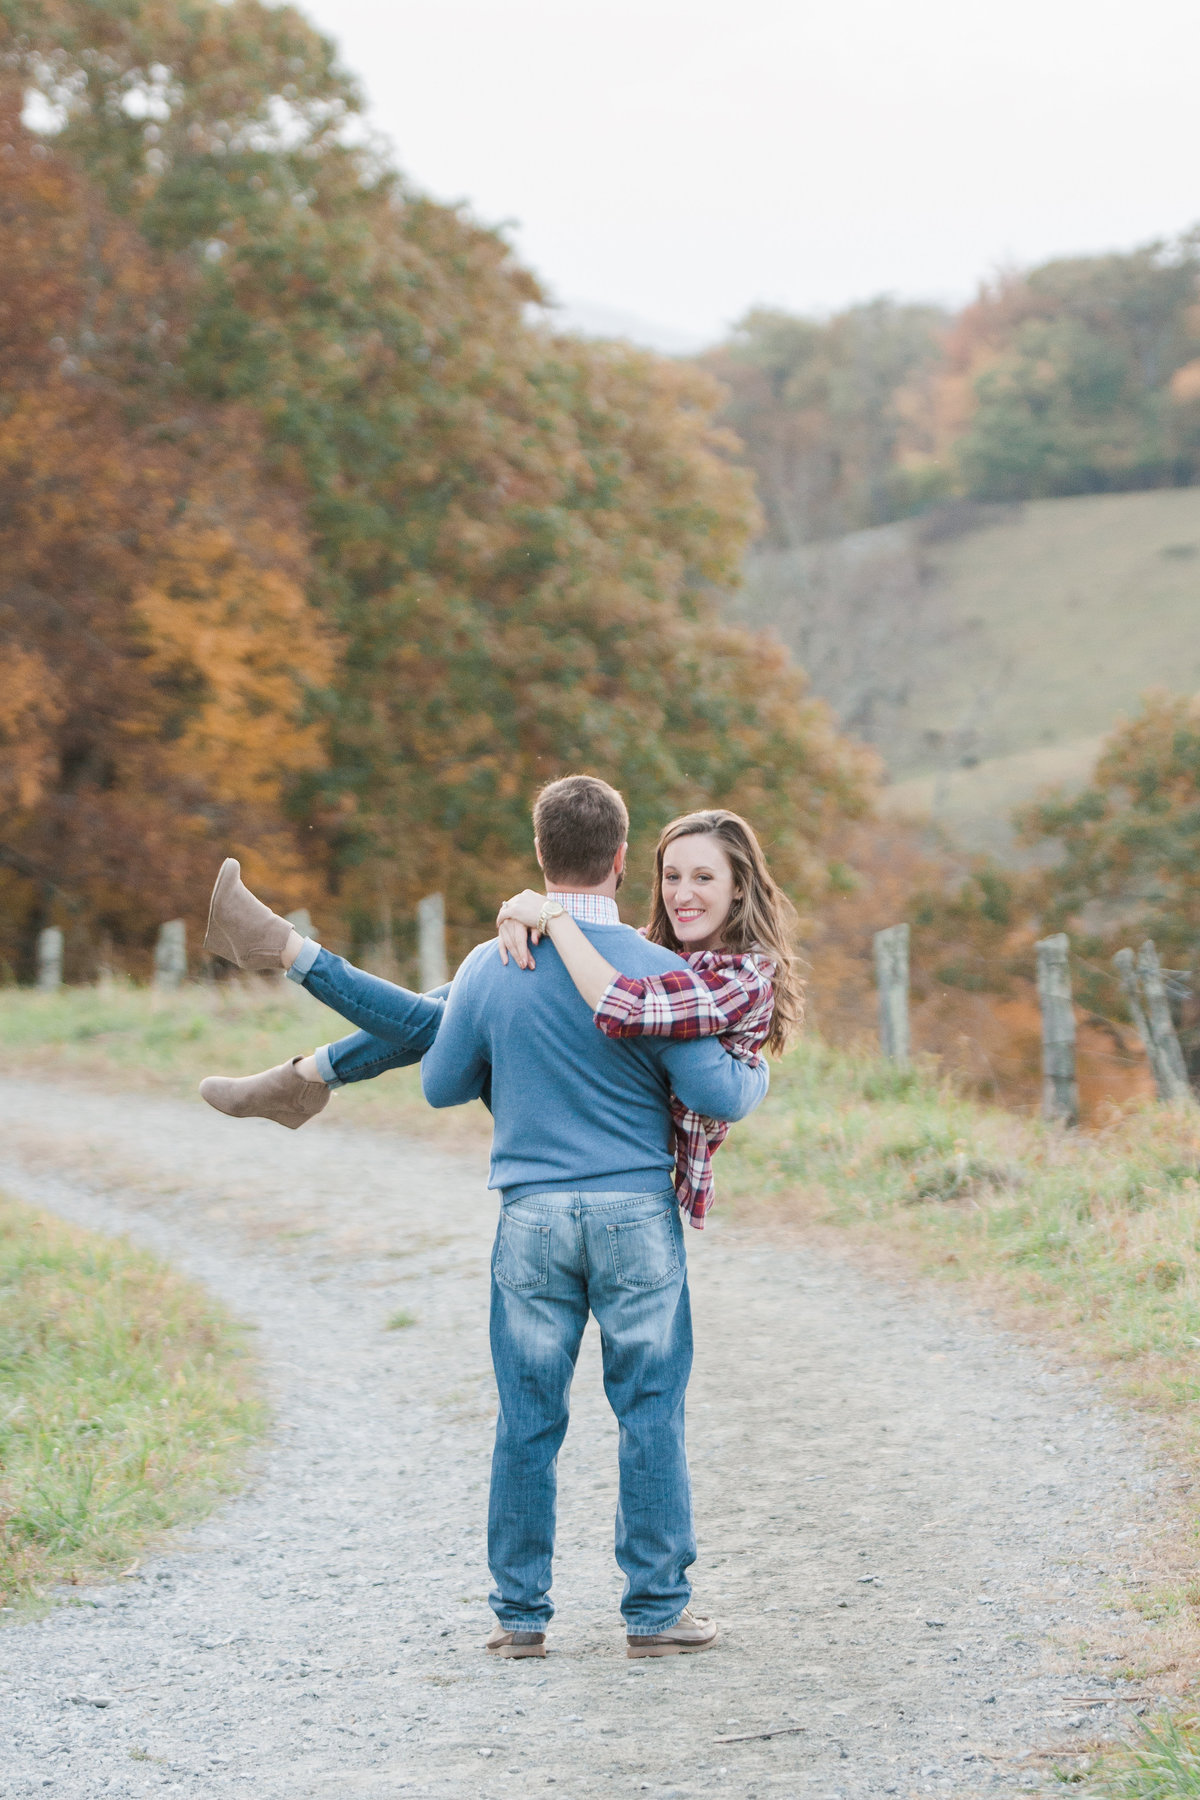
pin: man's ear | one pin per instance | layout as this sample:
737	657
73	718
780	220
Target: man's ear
619	859
537	851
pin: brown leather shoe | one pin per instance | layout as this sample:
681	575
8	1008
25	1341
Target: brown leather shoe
240	928
279	1094
689	1634
504	1642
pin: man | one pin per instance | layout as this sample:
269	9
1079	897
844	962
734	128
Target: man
582	1155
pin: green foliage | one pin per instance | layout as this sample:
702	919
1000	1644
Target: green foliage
1075	394
513	537
1080	376
964	934
820	408
1131	838
124	1401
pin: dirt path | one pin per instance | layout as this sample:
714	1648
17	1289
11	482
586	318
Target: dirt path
908	1524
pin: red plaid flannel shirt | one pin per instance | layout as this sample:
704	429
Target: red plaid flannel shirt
717	995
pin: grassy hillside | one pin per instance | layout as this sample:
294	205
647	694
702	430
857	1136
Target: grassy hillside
1081	605
992	652
974	801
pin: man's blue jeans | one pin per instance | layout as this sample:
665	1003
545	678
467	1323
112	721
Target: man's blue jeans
556	1256
397	1026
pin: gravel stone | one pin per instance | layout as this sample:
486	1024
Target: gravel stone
869	1464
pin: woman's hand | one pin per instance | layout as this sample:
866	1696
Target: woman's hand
525	907
590	971
515	922
513	939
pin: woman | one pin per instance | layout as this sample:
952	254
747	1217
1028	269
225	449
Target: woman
714	902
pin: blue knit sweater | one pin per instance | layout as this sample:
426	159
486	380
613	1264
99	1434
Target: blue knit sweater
573	1109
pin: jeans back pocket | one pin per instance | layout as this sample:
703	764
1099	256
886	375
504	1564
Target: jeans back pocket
645	1253
522	1259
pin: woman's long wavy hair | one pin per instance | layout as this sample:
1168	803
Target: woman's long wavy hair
761	918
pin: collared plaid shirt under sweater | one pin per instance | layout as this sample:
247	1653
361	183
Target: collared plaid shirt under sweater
719	995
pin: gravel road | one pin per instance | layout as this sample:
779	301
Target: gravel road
908	1523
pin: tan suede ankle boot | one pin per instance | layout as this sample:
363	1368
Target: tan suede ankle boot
279	1094
240	928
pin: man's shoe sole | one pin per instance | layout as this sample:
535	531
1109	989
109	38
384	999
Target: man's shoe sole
638	1650
515	1649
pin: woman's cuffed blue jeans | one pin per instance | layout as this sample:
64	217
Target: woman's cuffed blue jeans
396	1027
558	1256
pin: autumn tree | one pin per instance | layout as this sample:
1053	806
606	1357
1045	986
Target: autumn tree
1079	376
830	414
1124	857
1128	845
514	538
158	656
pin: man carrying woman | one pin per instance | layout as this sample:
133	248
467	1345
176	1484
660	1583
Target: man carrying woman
589	1126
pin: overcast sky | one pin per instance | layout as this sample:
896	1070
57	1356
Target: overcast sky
677	161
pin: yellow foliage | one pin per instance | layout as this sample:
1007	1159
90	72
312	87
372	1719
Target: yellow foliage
31	705
237	634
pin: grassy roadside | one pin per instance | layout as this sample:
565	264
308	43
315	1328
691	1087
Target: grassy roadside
1162	1763
126	1399
1093	1238
1090	1240
169	1041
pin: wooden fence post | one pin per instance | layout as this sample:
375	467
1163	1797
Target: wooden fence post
170	954
1126	968
1060	1092
1173	1081
431	941
891	978
49	959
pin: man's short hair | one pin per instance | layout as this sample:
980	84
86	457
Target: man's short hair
580	823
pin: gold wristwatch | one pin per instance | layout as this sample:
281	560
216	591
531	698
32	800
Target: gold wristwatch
551	909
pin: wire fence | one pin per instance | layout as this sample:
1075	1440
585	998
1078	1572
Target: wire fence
1151	997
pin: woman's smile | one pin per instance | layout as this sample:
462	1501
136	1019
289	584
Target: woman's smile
698	890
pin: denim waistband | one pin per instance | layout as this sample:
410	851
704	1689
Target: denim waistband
629	1181
565	1200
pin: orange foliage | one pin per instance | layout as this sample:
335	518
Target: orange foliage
988	1034
517	538
157	644
31	706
